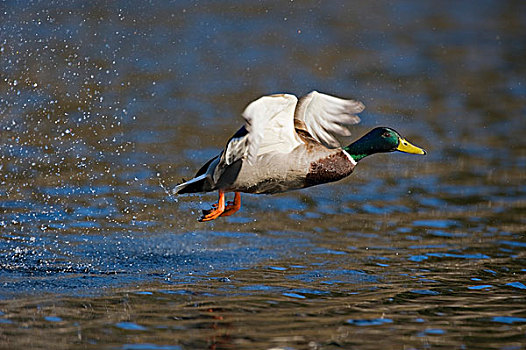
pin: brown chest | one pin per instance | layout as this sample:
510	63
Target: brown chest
328	169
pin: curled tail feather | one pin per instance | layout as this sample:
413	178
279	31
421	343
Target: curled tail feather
202	181
197	184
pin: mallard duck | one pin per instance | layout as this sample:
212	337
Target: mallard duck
288	144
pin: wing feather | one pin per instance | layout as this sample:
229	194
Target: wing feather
269	126
326	116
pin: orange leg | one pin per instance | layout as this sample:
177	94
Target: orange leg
234	206
217	211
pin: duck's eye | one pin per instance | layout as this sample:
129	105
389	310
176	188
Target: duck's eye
386	135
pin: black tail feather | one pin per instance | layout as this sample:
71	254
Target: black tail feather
194	187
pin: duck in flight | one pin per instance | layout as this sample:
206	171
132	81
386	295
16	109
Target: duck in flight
288	144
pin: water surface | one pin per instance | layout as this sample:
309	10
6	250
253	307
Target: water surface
106	106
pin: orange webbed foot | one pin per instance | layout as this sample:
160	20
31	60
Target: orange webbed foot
216	211
234	206
219	208
211	214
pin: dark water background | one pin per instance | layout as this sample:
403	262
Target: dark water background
102	102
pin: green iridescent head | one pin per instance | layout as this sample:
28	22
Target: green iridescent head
380	140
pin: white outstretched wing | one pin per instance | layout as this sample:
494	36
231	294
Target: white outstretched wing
325	116
269	122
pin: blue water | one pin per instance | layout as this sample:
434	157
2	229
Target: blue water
104	107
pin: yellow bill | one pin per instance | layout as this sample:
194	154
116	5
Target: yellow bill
406	147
